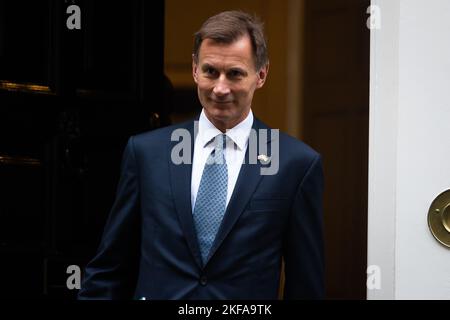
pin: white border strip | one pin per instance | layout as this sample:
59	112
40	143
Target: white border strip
384	89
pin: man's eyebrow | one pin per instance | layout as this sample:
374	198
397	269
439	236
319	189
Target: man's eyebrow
239	69
206	66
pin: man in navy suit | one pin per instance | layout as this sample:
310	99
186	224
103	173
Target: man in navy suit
212	216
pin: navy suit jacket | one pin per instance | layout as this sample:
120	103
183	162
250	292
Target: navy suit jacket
149	247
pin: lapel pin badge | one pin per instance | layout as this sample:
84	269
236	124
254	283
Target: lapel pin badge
264	159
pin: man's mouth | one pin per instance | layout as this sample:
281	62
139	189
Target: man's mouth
221	101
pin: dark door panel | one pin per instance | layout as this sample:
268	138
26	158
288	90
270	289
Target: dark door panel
69	100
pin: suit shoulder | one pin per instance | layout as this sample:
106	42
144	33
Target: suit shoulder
158	137
290	145
297	147
298	157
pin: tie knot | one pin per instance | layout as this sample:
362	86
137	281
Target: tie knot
220	142
217	155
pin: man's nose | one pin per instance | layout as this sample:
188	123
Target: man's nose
221	88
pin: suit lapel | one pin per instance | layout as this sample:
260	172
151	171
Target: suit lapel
181	185
248	179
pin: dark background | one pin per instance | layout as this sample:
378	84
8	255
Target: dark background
69	100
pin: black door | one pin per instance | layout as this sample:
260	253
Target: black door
77	78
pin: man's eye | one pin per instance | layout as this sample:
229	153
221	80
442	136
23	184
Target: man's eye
210	71
235	73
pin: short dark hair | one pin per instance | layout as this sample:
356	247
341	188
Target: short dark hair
230	26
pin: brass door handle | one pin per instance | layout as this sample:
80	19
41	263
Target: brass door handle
439	218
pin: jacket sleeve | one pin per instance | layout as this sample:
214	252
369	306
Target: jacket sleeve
112	273
303	247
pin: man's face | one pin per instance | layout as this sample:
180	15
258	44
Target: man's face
226	79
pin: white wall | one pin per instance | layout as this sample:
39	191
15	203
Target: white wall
409	147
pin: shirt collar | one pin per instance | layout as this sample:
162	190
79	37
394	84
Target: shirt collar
238	134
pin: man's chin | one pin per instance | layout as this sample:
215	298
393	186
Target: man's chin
221	107
221	111
219	115
222	117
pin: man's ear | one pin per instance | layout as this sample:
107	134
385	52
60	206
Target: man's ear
194	69
262	76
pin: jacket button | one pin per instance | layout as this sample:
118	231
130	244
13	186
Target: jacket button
203	280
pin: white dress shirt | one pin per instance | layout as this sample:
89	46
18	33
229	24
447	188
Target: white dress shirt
234	151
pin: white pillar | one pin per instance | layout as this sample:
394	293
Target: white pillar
409	147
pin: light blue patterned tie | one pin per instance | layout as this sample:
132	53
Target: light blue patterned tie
211	198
